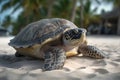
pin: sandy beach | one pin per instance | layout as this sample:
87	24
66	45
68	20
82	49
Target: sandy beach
75	68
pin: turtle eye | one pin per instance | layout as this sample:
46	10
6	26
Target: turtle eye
67	37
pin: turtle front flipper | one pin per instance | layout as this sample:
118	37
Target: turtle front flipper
54	59
91	51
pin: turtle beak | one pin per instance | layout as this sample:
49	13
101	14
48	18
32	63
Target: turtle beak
82	30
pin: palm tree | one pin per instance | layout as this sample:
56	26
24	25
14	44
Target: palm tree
32	10
81	13
50	7
73	10
62	9
84	15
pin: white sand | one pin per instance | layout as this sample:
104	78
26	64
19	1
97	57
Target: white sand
75	68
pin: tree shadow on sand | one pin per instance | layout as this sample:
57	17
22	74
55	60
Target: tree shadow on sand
10	61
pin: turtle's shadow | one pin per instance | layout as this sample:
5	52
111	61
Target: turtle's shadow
10	61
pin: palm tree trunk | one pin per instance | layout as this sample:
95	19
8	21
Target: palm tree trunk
81	13
50	6
118	30
73	11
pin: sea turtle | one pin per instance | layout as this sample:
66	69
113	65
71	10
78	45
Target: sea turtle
53	40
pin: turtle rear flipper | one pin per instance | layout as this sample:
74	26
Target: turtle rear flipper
54	59
91	51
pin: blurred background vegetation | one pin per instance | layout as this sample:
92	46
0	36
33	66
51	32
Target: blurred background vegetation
77	11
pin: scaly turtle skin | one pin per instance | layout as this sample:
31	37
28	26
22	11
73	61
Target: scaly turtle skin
53	40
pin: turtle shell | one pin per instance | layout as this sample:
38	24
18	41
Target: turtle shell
40	31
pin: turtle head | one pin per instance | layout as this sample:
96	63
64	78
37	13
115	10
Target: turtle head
74	37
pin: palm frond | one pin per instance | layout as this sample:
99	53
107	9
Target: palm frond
16	7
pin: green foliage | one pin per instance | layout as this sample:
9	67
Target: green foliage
88	14
34	10
62	9
7	21
31	12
